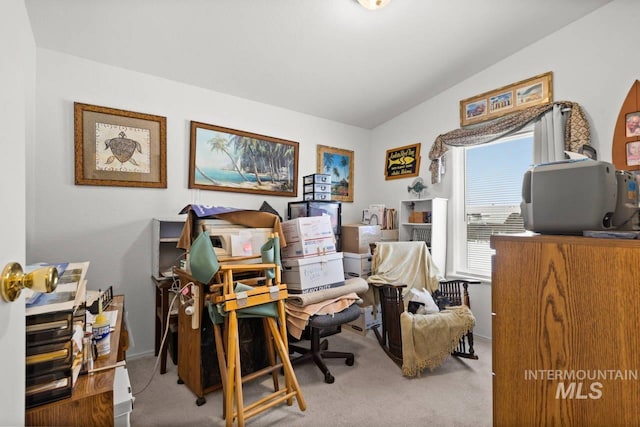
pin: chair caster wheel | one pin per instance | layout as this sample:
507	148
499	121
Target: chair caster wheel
180	381
201	401
349	361
328	378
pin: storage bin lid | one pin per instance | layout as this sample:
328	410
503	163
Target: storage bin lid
358	256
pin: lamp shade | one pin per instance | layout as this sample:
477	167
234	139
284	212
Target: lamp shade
373	4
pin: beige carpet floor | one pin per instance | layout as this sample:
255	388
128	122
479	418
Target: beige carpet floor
370	393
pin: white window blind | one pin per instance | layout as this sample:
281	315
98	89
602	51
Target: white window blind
493	188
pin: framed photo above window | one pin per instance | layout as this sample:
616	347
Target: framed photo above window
339	164
226	159
119	148
625	149
508	99
402	162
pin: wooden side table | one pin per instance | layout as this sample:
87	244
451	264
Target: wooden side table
162	286
92	400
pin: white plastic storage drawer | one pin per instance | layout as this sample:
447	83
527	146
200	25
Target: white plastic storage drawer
317	178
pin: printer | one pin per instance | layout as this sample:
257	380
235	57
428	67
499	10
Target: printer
577	195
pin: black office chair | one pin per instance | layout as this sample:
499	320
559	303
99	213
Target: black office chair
321	326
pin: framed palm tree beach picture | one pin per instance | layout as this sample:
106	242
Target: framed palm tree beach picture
226	159
339	164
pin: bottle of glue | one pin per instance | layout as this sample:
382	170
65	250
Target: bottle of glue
101	330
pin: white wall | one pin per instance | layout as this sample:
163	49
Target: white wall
17	85
593	63
111	226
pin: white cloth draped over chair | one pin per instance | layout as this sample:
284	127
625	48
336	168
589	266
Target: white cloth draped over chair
409	263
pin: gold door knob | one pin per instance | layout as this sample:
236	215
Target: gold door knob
13	280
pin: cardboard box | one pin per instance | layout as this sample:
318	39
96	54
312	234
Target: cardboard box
308	237
356	237
248	241
389	235
313	274
416	217
307	228
366	321
309	248
356	265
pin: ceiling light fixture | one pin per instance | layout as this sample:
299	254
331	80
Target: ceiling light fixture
373	4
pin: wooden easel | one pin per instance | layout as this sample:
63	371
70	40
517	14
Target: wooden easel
232	303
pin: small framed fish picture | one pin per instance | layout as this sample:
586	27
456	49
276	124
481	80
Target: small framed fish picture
402	162
119	148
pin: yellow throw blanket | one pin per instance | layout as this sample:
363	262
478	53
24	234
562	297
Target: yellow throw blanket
428	339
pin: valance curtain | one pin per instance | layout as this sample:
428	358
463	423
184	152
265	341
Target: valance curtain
548	133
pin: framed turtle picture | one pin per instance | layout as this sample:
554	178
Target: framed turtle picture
119	148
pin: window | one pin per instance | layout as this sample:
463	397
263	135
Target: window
492	195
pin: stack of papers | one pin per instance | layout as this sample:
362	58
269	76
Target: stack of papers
68	295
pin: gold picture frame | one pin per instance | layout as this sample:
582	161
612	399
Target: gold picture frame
402	162
224	159
339	164
119	148
507	99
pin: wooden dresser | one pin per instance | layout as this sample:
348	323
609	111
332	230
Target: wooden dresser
91	402
566	337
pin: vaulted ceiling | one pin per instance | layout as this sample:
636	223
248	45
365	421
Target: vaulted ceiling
328	58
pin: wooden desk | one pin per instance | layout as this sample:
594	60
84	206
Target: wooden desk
91	402
197	358
162	286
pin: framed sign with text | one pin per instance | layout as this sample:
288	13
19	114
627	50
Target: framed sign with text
402	162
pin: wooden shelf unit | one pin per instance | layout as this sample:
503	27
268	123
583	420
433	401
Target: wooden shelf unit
164	253
436	229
